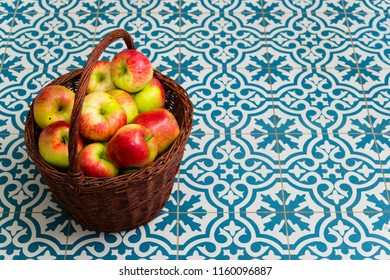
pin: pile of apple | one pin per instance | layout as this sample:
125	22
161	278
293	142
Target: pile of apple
123	124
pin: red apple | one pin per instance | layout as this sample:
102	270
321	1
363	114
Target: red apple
101	116
131	70
162	124
126	101
53	104
152	96
53	144
132	146
94	162
100	79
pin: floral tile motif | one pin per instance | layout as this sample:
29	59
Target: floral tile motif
228	100
217	6
58	6
140	6
231	236
225	173
23	189
378	102
303	6
223	39
318	100
289	153
366	6
159	42
155	241
38	236
307	40
63	40
340	236
370	34
335	171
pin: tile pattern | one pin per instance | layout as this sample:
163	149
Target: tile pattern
289	154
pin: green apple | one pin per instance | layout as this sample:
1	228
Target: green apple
152	96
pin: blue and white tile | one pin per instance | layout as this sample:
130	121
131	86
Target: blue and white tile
227	100
140	6
222	6
335	171
366	6
307	40
38	236
221	40
50	41
23	188
156	240
159	42
319	101
378	101
59	6
222	173
303	6
340	236
370	35
232	236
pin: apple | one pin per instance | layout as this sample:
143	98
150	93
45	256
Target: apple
126	101
152	96
100	79
162	124
53	104
101	116
94	162
131	70
53	144
133	145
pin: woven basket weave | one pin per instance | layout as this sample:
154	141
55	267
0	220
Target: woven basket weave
126	201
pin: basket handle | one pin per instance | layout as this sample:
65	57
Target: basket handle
75	174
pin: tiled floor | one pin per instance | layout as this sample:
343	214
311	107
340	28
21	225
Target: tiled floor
289	156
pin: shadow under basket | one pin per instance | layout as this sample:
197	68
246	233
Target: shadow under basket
126	201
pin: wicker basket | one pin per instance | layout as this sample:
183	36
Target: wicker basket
126	201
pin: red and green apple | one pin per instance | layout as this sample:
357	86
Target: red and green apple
126	101
53	144
100	79
94	162
132	146
162	124
101	116
131	70
52	104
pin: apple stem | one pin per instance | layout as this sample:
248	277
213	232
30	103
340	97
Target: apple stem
149	137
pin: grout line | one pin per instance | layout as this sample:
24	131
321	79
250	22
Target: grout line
276	130
178	175
9	37
67	239
365	99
